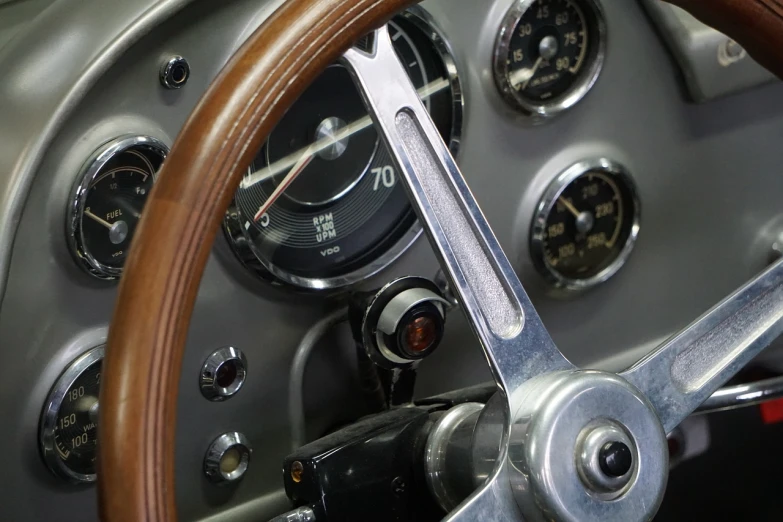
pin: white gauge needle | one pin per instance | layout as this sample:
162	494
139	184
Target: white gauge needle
297	157
98	220
521	78
570	206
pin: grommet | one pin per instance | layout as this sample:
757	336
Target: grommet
175	73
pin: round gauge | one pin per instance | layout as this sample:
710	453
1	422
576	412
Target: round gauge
549	54
346	215
586	225
68	433
108	200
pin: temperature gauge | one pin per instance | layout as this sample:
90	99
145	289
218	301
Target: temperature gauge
69	423
586	225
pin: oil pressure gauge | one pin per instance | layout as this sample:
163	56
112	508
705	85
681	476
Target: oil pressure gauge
549	54
586	225
68	431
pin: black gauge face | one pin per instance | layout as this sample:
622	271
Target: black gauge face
75	430
109	203
68	431
346	214
586	229
550	53
549	49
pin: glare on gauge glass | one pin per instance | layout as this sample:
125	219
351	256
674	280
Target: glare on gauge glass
321	206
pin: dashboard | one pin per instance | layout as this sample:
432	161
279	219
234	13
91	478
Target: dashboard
625	156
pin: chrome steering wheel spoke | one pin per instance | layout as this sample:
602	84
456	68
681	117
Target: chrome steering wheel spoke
515	341
687	369
556	442
493	502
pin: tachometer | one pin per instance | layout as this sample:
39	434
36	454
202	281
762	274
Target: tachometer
345	216
586	225
549	54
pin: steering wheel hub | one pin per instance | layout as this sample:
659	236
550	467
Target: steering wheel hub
569	425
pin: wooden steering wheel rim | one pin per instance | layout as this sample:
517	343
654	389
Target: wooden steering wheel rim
174	239
173	242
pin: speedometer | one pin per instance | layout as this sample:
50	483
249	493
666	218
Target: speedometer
321	207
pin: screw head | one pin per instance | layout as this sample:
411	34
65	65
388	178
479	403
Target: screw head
297	471
398	486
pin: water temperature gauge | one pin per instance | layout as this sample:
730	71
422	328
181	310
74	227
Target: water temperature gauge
586	225
69	422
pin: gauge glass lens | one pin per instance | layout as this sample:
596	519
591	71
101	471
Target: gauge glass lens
549	54
75	430
346	213
114	205
548	49
587	226
109	202
68	431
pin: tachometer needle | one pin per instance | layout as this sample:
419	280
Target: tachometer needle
570	206
304	161
97	219
349	130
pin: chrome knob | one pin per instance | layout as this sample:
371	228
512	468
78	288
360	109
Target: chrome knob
223	374
227	458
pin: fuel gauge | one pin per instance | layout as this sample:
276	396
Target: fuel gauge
108	201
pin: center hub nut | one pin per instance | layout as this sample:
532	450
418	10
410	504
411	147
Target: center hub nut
606	458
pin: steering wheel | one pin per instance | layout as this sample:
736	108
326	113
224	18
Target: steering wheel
557	442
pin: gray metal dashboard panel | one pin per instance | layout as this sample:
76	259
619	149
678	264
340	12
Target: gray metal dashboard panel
14	16
713	64
708	175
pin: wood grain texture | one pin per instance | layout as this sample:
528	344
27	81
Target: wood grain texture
756	24
141	371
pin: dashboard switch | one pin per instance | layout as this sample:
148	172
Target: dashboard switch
223	374
228	458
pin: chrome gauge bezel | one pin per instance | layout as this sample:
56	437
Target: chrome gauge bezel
50	411
419	17
255	261
547	205
81	191
538	113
